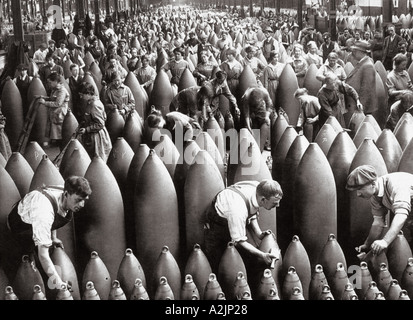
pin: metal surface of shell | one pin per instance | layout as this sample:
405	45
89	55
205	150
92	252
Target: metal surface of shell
404	133
65	267
90	292
366	130
189	291
187	80
63	293
12	109
407	278
133	130
115	124
390	149
139	94
266	286
318	281
20	171
139	291
116	291
359	221
36	88
398	254
3	160
370	119
285	211
296	294
380	115
69	127
315	215
119	160
46	174
89	79
202	183
213	128
269	244
384	278
166	266
349	293
156	222
27	276
371	291
212	289
9	294
297	257
197	265
230	264
405	116
168	152
330	255
9	196
241	289
326	293
186	158
406	163
98	274
277	130
394	290
291	280
73	144
247	79
312	84
77	164
101	225
338	281
38	293
404	295
340	156
129	270
325	137
381	70
355	122
288	84
280	152
332	121
365	279
205	142
162	93
163	290
132	177
96	74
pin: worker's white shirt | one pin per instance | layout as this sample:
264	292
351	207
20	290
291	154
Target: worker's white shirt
37	210
231	206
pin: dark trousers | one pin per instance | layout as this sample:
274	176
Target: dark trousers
216	237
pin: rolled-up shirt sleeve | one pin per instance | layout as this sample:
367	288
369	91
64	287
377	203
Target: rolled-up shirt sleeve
401	200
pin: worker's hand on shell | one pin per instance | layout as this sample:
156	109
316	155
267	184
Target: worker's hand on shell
58	243
362	248
264	233
378	246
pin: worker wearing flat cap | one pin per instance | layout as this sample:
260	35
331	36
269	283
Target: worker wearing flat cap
394	192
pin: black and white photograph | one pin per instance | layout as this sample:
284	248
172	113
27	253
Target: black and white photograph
227	152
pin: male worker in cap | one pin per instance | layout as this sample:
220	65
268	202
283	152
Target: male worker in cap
362	78
394	192
34	220
232	211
